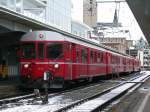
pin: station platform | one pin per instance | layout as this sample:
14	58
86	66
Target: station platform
136	101
9	87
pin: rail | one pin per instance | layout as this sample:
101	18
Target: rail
59	92
102	99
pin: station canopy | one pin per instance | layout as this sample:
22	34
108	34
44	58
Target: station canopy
9	37
141	11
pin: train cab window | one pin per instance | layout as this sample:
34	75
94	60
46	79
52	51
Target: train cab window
54	51
40	50
28	50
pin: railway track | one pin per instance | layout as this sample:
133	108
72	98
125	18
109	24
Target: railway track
58	92
27	95
7	97
61	101
100	100
27	100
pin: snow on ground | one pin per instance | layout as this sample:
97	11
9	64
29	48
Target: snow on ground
54	104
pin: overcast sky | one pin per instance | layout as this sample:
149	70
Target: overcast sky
106	14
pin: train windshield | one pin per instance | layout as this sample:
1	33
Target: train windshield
54	51
28	50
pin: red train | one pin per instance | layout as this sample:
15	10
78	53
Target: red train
67	58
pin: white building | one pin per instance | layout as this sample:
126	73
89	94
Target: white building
144	57
144	54
59	13
56	13
80	29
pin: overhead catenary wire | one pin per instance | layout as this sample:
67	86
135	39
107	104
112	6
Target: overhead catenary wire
110	1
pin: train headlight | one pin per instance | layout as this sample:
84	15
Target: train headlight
56	65
26	65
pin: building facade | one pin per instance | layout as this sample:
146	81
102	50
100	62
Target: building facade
146	58
119	44
142	52
114	35
143	56
90	13
55	13
80	29
59	13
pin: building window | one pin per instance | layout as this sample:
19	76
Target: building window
19	5
11	4
3	2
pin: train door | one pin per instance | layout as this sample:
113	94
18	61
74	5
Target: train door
121	64
108	65
74	65
68	60
84	62
125	64
133	64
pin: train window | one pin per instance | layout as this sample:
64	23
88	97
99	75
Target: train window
84	55
118	60
40	50
91	57
112	59
101	57
124	61
54	51
28	50
95	57
98	57
77	56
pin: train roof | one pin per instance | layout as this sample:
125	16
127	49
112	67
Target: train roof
54	36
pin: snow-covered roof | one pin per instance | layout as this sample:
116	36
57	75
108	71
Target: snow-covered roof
115	32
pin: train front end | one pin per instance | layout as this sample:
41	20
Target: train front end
39	56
